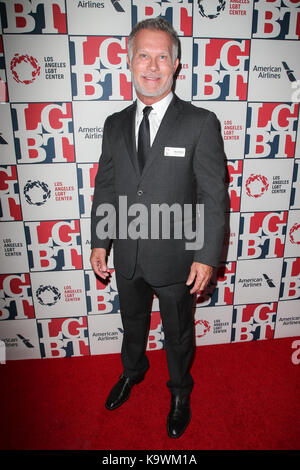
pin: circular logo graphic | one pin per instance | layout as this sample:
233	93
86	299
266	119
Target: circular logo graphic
203	327
36	192
295	234
24	68
211	8
48	295
256	185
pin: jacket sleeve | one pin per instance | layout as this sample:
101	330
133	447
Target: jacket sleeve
102	222
209	170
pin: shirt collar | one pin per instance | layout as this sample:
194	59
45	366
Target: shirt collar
159	108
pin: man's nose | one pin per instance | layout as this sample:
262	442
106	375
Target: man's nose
153	65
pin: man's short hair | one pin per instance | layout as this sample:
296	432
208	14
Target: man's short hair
159	24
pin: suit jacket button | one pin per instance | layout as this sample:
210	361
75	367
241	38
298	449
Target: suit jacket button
140	192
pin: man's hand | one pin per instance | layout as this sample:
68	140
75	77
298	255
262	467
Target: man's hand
98	262
202	274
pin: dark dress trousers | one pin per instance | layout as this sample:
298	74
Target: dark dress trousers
193	174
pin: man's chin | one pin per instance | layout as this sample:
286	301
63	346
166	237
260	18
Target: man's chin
151	93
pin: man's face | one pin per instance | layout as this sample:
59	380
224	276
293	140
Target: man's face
151	65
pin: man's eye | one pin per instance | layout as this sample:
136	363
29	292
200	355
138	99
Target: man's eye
163	57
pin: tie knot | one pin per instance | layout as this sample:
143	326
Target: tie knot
147	110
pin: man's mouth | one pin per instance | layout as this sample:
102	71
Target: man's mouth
151	78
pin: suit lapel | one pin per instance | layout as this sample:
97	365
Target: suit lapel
128	129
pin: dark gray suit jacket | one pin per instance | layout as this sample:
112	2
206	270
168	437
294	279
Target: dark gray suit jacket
197	177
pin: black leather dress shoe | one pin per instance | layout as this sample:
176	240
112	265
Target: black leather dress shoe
179	416
121	392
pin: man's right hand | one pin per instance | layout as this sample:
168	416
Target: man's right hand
98	262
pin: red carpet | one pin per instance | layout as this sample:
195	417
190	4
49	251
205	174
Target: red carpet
246	396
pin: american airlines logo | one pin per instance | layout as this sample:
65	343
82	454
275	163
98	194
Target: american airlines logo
257	281
289	72
2	140
25	341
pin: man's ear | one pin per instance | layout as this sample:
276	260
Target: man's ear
128	62
176	63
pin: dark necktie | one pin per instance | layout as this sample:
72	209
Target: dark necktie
144	138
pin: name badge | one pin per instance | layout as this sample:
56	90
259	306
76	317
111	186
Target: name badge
174	152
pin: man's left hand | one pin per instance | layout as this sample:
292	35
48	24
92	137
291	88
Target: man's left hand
201	273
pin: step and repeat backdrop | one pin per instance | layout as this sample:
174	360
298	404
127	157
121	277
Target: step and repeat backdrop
63	70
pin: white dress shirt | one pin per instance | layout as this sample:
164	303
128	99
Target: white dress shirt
155	117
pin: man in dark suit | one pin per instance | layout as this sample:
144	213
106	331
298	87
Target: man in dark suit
158	152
